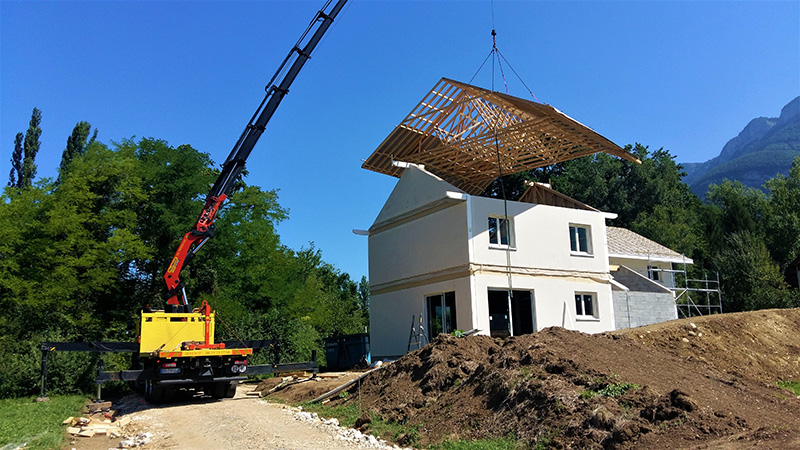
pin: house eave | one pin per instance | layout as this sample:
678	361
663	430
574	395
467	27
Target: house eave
450	199
655	258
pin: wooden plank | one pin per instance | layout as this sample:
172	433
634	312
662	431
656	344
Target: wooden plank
97	407
86	433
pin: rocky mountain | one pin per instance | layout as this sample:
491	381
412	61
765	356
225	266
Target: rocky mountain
765	147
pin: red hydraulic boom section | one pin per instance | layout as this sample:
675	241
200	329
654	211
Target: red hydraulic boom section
203	229
192	242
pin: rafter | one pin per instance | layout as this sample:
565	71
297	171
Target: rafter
458	131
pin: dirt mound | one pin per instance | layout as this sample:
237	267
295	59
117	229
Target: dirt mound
696	383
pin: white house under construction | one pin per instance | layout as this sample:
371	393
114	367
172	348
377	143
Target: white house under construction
442	256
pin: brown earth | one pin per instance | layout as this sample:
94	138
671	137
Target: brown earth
700	383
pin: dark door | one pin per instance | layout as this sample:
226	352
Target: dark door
520	319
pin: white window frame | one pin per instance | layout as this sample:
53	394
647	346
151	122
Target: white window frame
580	311
573	230
654	273
511	235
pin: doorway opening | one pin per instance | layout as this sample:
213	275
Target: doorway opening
517	320
441	314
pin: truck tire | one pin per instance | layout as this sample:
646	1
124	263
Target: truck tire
153	392
226	389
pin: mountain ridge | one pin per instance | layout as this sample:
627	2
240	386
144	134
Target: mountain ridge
765	147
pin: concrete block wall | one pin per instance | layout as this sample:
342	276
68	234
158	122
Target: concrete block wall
635	309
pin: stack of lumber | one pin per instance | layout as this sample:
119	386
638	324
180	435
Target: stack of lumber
99	419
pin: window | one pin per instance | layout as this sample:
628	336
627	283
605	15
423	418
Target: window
441	313
501	231
653	272
585	304
580	239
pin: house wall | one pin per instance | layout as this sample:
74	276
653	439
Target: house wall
666	279
422	247
553	301
391	315
541	235
636	309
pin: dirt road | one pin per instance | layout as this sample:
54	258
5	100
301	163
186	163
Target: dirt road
239	423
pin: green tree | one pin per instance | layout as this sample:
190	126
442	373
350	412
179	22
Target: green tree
31	148
612	184
16	162
749	277
76	145
175	181
78	261
783	224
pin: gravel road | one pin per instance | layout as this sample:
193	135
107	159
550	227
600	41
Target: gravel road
239	423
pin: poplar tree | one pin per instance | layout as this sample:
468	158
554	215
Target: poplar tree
15	175
76	145
31	148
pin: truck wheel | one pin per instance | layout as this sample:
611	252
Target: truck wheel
223	390
153	392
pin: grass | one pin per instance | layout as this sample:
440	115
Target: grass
612	390
507	443
36	425
791	385
347	415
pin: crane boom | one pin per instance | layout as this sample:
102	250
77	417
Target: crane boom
203	229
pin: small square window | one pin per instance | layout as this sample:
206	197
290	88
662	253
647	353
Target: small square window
501	231
654	273
580	239
585	304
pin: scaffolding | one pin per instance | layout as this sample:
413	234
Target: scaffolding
693	297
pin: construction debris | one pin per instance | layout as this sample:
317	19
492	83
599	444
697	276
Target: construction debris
343	387
136	441
100	420
99	406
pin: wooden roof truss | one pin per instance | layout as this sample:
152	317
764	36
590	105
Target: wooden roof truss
467	135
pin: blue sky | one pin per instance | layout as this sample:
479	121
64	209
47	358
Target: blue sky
683	75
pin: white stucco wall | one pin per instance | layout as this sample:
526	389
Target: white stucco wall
428	244
553	301
391	314
541	235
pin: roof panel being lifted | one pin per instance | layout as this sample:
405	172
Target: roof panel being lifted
466	135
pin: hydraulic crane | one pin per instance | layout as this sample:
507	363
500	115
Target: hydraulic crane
203	229
176	347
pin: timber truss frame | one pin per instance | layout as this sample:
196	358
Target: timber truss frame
466	135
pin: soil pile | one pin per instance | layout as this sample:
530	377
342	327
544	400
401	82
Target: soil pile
705	382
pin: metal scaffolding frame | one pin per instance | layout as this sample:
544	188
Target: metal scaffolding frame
693	297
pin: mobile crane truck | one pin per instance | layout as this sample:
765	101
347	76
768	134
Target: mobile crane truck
176	346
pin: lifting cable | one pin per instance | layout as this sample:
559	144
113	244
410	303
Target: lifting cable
498	58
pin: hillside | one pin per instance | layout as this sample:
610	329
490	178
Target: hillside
764	148
704	382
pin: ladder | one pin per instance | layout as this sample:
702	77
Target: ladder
417	337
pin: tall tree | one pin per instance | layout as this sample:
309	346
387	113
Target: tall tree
76	145
31	148
16	162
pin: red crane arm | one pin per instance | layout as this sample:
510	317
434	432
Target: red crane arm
203	229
